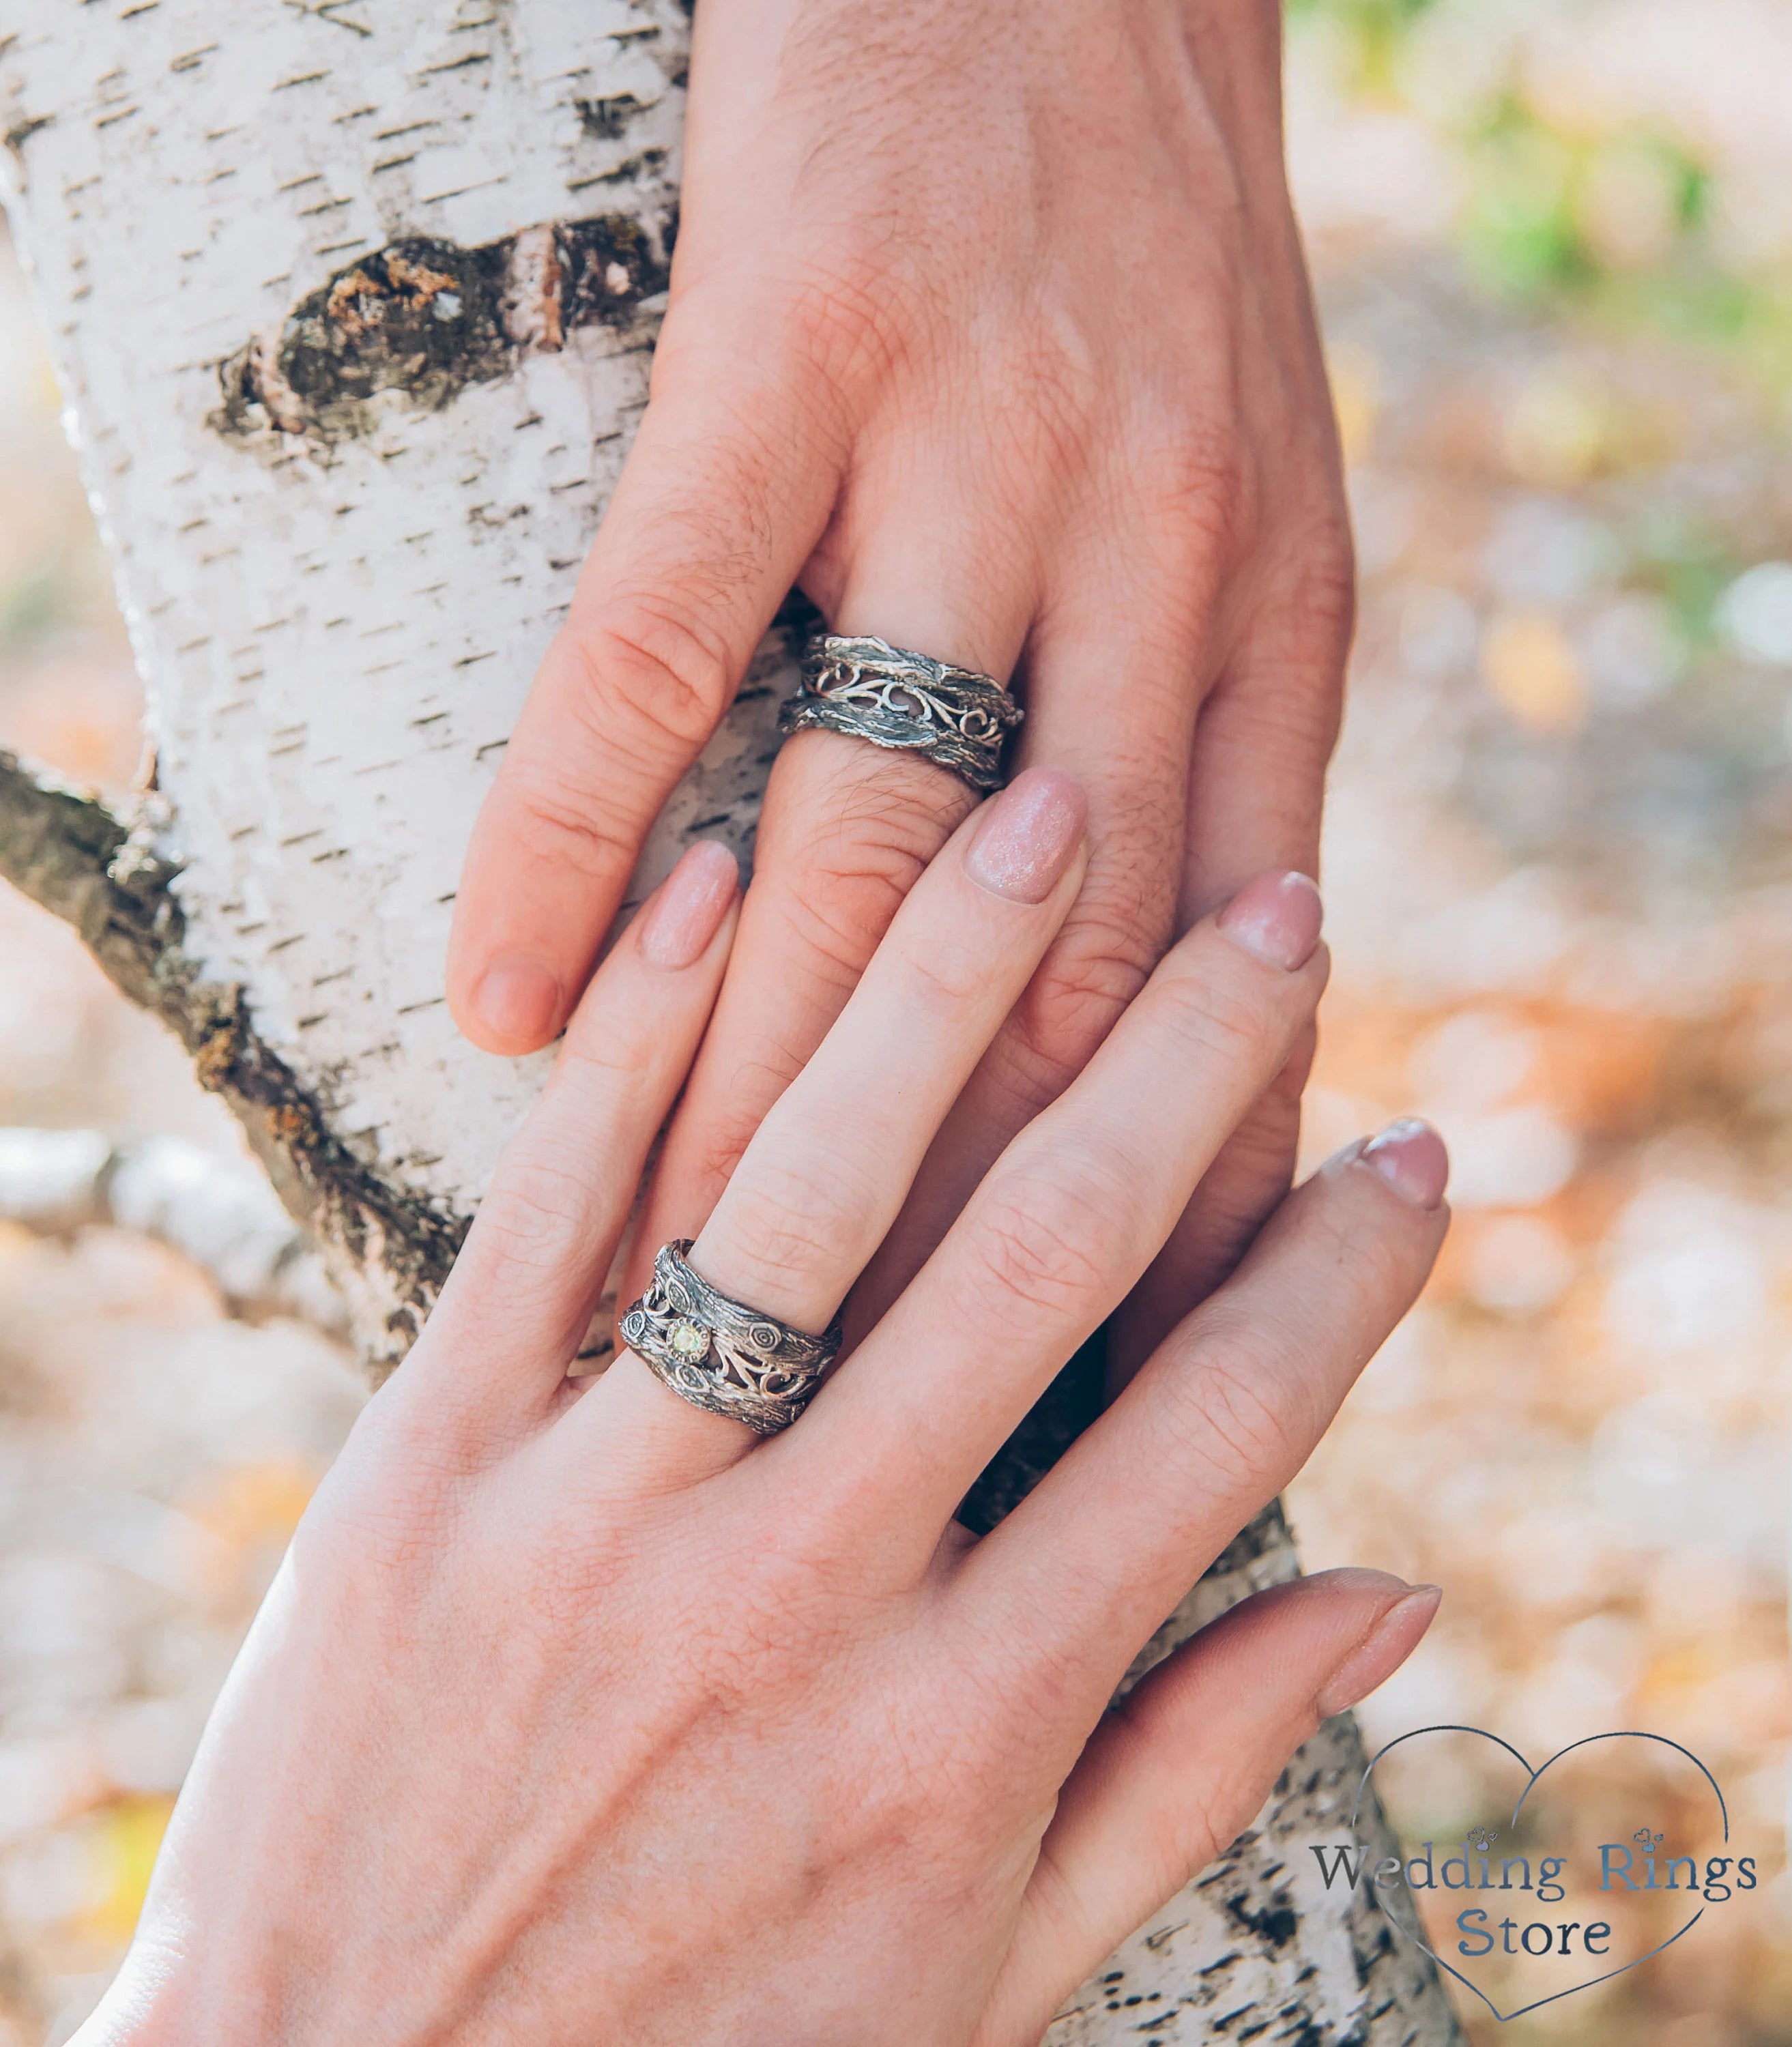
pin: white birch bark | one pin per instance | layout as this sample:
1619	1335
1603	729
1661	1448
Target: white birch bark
353	302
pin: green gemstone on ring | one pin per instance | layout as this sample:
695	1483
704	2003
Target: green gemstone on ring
689	1341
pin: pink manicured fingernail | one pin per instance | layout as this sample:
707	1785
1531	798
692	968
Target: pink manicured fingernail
1276	918
1380	1653
1029	835
518	1001
1411	1158
687	910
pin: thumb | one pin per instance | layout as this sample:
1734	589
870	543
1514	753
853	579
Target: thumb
1178	1770
724	493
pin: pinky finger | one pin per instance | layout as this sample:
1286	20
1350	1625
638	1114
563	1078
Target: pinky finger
1178	1769
524	1288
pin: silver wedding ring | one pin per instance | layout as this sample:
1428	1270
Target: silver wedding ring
870	690
721	1355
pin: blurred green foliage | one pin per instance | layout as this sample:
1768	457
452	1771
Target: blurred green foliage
1553	211
1376	28
30	605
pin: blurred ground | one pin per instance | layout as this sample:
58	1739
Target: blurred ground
1554	247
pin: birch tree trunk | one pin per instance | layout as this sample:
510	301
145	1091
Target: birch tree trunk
353	302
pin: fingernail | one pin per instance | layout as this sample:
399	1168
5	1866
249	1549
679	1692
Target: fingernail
1380	1653
517	1001
1027	836
1412	1158
686	910
1276	918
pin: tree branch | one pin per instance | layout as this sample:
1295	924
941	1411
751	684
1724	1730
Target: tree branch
222	1215
388	1249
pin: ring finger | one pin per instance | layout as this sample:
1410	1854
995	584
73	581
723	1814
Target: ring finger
847	827
824	1175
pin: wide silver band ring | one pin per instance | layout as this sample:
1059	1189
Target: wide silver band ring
721	1355
870	690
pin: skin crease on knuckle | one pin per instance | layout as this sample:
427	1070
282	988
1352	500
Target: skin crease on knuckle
1353	1233
941	985
1284	682
1230	1416
1261	1387
793	1219
1049	1236
536	1217
853	874
552	819
1232	1019
653	676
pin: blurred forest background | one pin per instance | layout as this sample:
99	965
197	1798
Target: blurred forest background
1553	244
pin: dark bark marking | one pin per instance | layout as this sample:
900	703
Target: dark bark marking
605	119
427	318
630	170
21	132
1275	1925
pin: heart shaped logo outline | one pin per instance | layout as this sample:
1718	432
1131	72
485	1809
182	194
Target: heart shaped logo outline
1532	1777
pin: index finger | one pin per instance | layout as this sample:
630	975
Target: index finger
726	491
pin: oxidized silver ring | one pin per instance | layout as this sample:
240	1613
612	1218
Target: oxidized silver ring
721	1355
870	690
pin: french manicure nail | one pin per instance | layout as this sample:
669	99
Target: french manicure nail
1411	1158
517	1001
1027	836
1275	919
1374	1659
686	910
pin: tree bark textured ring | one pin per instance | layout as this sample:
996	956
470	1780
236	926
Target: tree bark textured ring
870	690
721	1355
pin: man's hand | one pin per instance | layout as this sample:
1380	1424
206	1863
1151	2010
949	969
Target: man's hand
990	326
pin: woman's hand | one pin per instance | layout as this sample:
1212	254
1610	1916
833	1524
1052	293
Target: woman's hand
589	1717
989	326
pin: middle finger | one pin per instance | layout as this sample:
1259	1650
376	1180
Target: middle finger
915	556
1072	1211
